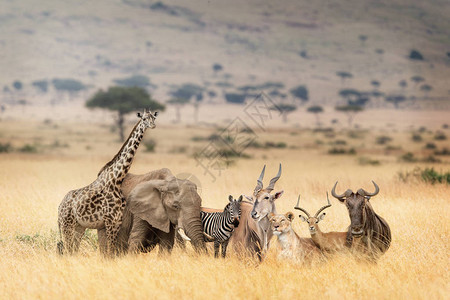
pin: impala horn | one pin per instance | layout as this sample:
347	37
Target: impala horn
323	208
301	209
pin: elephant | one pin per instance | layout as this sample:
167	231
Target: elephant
157	205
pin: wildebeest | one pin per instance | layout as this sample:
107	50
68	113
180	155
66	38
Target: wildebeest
367	229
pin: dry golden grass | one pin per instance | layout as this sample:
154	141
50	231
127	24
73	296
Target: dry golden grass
31	187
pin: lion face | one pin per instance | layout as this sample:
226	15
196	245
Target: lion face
281	223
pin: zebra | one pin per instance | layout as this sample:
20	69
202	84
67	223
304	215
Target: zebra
220	225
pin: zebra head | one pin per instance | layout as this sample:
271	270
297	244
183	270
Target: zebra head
234	209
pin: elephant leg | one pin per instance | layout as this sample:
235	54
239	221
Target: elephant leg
224	248
102	240
138	236
216	248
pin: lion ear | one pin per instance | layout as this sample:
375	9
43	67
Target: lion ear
290	216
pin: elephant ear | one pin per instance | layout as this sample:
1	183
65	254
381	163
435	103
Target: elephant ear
146	202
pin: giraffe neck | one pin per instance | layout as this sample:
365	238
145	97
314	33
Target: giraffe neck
121	163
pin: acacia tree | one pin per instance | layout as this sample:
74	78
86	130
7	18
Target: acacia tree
300	92
417	79
395	99
123	100
285	110
426	88
185	94
316	110
350	111
344	75
178	103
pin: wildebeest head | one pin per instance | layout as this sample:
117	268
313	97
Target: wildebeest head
356	204
263	200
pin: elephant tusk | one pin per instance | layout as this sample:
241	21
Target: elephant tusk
208	238
182	234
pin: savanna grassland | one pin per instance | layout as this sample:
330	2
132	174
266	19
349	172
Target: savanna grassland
65	155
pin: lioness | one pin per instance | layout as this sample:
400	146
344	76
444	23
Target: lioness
292	246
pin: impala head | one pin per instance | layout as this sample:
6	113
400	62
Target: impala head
263	200
234	208
148	118
281	223
312	221
356	204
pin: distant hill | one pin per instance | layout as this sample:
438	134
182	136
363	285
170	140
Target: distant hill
255	42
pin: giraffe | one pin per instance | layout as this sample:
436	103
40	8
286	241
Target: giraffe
100	205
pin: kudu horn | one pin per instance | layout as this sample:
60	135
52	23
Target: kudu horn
259	183
274	180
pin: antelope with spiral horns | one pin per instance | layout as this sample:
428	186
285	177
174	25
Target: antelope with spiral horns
326	241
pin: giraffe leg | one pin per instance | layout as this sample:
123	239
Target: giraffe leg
113	220
77	236
67	224
102	240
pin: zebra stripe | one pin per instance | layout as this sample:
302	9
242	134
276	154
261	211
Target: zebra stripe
218	224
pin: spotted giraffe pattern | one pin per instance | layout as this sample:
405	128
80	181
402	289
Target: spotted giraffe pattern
101	204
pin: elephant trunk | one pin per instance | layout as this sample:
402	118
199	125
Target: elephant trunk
194	230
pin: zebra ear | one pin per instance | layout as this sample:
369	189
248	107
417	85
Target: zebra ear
139	114
240	198
230	198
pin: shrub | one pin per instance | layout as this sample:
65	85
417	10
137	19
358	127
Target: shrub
431	159
429	175
430	146
382	140
368	161
150	145
444	151
340	142
440	136
335	151
416	137
4	148
276	145
445	126
408	157
27	148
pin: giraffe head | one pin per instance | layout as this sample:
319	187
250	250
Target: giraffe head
147	118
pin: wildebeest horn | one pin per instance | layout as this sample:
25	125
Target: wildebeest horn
301	209
182	234
377	190
324	207
274	180
333	192
259	183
